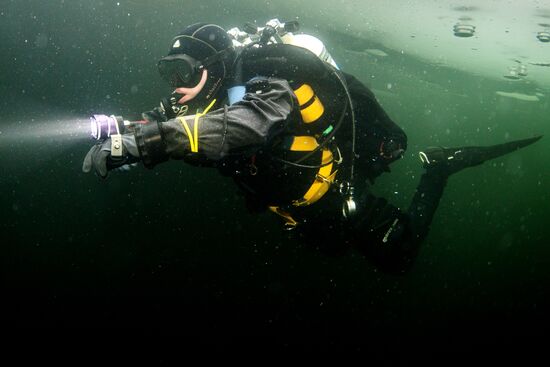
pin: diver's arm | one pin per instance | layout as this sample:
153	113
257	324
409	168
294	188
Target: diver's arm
369	109
382	140
243	126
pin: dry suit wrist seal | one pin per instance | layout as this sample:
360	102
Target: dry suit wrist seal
150	144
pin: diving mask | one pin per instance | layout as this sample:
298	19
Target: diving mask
180	70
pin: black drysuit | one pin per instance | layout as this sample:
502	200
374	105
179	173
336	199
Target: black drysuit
228	137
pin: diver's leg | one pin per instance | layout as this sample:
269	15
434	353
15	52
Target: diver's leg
451	160
396	237
382	233
440	163
424	204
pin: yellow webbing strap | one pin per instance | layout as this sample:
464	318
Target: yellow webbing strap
183	123
290	223
320	186
194	137
324	177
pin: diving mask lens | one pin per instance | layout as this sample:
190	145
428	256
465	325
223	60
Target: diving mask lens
178	70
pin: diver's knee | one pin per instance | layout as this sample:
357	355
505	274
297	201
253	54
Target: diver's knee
392	249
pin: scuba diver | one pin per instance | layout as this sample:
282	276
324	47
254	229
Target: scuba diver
301	138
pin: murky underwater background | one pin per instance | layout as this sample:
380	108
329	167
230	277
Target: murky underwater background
175	246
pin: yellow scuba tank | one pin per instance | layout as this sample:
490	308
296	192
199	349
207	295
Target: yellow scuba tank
319	123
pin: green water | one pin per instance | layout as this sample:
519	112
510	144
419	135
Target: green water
175	247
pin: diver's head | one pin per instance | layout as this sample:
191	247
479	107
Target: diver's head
198	63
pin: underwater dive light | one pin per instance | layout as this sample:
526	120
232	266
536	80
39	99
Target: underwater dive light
103	127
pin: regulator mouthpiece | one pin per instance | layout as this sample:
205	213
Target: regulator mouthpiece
103	126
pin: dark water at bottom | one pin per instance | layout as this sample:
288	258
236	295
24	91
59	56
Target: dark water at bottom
175	248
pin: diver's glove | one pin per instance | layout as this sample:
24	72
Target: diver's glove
100	159
157	114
